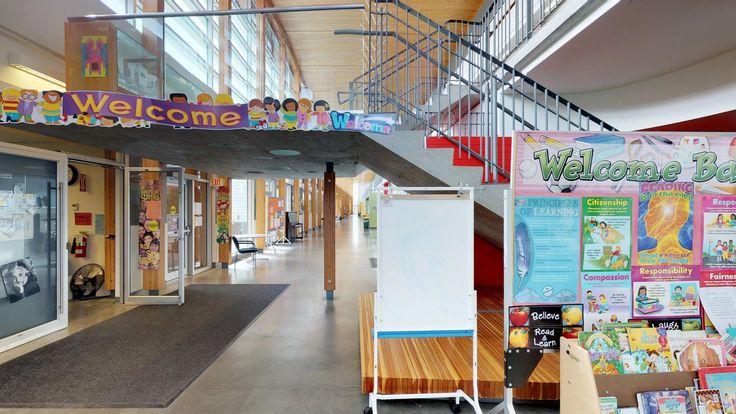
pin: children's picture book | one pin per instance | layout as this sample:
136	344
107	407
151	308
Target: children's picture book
708	401
628	410
702	353
609	405
723	379
679	340
603	348
650	350
665	402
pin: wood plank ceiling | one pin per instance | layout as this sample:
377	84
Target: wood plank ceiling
329	62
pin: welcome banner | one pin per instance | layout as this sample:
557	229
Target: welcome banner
108	109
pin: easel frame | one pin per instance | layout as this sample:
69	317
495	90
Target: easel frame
379	333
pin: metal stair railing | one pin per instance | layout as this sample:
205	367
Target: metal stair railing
456	89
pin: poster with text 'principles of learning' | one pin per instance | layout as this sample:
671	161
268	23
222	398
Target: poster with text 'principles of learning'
606	233
547	249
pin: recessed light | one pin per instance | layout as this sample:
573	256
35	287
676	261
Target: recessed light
254	172
285	152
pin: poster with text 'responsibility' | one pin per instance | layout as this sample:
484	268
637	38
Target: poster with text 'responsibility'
719	232
546	249
606	228
665	229
606	298
666	291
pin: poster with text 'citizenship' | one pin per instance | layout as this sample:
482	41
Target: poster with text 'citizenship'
665	224
606	298
719	232
666	291
546	249
606	233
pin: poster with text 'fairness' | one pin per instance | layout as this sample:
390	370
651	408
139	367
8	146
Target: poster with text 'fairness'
614	163
719	232
665	230
606	230
665	291
606	298
546	249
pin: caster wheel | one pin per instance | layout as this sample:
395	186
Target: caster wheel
367	410
455	408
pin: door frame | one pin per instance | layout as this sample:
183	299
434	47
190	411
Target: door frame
62	296
159	299
191	269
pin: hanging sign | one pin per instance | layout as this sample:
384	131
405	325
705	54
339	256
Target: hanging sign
218	182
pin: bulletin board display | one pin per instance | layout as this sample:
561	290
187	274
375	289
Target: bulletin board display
631	224
275	213
425	283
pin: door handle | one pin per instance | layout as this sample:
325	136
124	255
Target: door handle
187	230
110	236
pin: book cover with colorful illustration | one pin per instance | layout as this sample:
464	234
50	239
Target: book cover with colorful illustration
665	402
650	350
708	401
702	353
606	227
609	405
665	231
604	351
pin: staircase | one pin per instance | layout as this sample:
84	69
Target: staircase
451	94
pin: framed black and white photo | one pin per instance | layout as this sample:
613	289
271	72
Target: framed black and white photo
19	279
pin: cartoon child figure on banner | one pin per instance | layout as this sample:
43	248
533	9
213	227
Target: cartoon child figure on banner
10	102
303	114
204	99
322	115
51	106
222	99
256	114
288	108
272	106
28	98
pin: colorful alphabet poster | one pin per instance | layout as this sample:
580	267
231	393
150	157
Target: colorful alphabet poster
606	298
665	224
719	232
275	213
606	233
666	291
94	56
547	254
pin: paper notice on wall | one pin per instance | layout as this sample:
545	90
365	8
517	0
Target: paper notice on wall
197	209
719	305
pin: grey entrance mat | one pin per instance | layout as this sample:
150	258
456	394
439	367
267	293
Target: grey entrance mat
142	358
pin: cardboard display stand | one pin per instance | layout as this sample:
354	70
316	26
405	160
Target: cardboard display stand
580	388
422	294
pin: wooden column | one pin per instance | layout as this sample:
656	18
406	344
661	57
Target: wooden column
110	209
314	221
305	206
295	205
329	231
260	212
320	201
224	250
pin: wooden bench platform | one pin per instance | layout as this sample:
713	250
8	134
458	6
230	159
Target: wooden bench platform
422	365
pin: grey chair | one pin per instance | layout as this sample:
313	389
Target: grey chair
245	247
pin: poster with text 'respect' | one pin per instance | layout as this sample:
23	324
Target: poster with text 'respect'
666	291
546	249
719	232
606	230
606	298
665	228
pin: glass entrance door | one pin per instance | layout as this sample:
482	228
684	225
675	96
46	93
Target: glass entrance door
155	235
33	264
197	192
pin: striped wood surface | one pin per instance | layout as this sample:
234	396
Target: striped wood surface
421	365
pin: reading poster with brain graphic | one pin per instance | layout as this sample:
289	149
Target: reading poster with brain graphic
656	220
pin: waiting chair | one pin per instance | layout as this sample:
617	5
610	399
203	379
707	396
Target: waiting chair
245	246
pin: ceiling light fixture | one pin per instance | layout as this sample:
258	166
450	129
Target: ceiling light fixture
38	74
285	152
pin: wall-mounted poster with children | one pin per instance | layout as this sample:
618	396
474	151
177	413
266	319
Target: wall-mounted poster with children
606	233
606	298
719	232
149	224
666	291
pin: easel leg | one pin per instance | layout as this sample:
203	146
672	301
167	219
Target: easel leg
507	405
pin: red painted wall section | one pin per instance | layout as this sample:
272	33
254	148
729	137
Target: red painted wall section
488	264
723	122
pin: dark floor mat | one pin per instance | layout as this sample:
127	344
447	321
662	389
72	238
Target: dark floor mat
142	358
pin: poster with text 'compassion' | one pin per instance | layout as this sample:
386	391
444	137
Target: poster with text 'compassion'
606	298
547	249
676	233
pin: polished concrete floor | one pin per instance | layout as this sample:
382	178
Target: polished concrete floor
300	356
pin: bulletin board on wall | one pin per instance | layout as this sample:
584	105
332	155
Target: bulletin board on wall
276	213
630	225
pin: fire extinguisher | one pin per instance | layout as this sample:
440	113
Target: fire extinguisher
79	245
